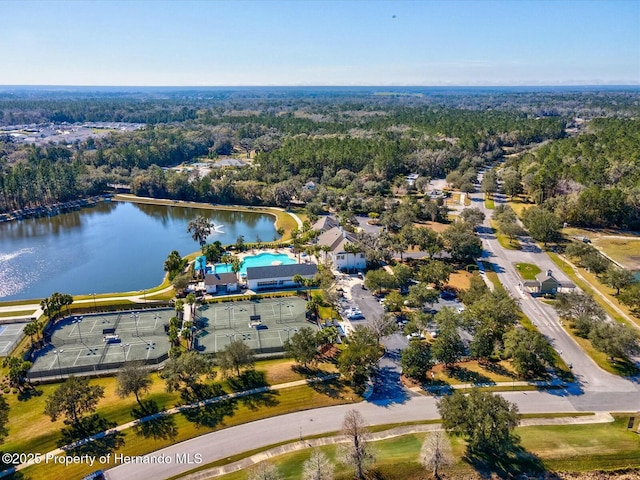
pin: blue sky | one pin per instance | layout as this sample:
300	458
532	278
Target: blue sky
330	42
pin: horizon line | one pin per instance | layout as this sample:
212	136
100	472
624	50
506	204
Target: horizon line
523	85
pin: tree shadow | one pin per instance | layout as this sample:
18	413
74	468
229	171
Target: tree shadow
513	462
248	380
331	388
208	414
469	376
28	393
498	369
87	427
154	424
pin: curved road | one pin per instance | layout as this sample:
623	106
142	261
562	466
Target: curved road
595	389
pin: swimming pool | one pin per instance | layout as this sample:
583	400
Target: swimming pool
260	260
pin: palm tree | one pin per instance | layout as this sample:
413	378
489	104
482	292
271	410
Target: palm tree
32	329
353	249
187	334
191	300
200	229
236	265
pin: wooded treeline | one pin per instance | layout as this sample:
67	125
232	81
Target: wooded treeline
356	148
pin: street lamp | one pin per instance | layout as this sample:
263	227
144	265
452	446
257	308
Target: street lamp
144	294
137	317
289	330
57	353
95	307
124	351
228	308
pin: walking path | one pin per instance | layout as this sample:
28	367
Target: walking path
303	444
599	293
172	411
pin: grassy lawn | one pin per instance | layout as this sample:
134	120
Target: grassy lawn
491	275
460	279
592	284
528	271
231	413
518	204
474	372
505	241
578	448
623	250
17	313
31	431
489	203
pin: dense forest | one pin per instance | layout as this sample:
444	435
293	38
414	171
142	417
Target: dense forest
579	149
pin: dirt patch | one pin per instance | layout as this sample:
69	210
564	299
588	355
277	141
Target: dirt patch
438	227
460	280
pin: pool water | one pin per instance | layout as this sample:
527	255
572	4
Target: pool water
260	260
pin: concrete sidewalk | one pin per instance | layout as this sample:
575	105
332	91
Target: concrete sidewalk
598	417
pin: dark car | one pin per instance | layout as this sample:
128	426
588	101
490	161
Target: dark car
447	295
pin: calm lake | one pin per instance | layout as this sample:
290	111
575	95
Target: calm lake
111	247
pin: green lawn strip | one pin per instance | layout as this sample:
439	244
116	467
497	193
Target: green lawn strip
578	448
528	271
622	368
504	240
590	287
491	274
489	203
10	303
17	313
327	313
244	410
583	447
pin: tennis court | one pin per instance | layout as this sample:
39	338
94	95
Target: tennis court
93	343
10	335
263	324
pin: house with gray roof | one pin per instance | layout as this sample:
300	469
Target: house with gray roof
546	284
221	282
278	276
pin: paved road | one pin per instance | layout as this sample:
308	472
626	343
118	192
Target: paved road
590	377
596	390
235	440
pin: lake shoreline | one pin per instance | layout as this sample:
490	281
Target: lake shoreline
276	212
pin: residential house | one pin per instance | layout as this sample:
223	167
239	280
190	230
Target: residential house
278	276
338	239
